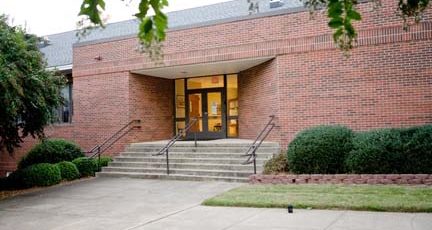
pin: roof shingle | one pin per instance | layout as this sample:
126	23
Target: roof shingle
59	51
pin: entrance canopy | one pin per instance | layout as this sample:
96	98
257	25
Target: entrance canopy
203	69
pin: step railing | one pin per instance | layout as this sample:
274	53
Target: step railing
178	136
102	147
251	152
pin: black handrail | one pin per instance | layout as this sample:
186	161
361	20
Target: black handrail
101	148
251	152
181	133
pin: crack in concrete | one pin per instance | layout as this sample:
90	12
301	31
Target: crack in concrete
245	219
335	220
162	217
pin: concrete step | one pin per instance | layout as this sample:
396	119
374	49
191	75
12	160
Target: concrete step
203	144
203	149
205	166
171	177
195	172
219	155
210	160
175	159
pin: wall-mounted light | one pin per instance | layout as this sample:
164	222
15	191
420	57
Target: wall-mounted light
98	58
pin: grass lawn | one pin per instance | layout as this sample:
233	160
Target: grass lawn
351	197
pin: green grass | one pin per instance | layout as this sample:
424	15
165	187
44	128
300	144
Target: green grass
350	197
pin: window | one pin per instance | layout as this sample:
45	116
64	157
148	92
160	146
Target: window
63	114
205	82
232	102
180	104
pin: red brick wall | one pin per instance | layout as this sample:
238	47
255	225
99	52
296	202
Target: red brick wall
258	99
389	85
151	101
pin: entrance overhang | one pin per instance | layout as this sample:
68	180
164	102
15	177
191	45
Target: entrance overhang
203	69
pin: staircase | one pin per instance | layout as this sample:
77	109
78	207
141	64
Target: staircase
219	160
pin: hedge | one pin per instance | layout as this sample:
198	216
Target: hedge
86	166
336	149
51	151
377	151
406	150
321	149
43	174
417	143
68	170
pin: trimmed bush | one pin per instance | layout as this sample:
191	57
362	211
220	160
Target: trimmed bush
277	164
86	166
321	149
68	170
377	151
392	151
43	174
417	143
51	151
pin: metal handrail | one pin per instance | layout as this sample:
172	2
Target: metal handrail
165	149
101	148
251	152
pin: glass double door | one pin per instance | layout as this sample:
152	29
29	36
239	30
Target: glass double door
208	107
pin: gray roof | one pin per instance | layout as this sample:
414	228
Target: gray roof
59	50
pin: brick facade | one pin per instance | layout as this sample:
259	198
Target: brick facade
386	82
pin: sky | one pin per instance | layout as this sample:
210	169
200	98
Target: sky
44	17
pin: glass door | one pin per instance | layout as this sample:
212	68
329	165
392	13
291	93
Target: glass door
207	106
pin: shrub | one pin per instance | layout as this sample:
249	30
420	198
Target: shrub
86	166
417	144
377	151
51	151
277	164
68	170
321	149
43	174
103	161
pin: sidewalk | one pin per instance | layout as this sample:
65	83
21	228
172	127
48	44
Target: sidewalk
126	204
212	218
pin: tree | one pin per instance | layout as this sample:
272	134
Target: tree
341	14
29	93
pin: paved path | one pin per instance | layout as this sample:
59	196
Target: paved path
120	203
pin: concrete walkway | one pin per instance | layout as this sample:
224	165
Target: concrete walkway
120	203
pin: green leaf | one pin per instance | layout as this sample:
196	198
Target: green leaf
143	9
350	30
337	34
335	10
90	8
148	25
354	15
335	23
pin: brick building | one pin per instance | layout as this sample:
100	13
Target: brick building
233	70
